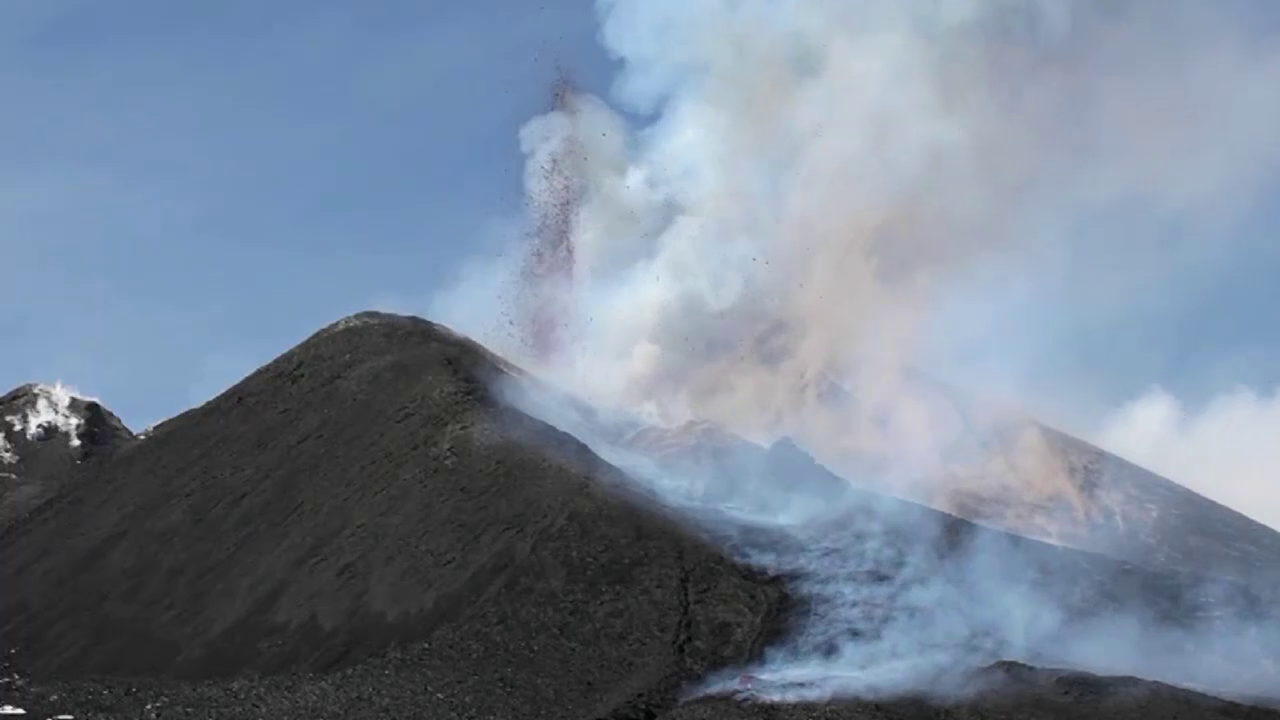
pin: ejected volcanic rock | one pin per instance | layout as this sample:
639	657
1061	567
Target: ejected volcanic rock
366	527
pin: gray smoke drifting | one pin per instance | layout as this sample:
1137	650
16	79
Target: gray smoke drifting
902	599
785	214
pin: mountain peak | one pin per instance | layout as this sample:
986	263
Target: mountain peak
46	432
38	412
422	328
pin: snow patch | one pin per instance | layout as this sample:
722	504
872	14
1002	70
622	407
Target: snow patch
7	455
11	710
51	411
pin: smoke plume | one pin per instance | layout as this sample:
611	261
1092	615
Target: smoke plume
775	226
820	182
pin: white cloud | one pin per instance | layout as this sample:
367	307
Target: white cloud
1228	450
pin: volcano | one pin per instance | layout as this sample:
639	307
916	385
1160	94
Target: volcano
375	523
1037	481
1012	473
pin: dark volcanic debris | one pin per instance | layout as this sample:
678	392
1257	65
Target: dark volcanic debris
362	528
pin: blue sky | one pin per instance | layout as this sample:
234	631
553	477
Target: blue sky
189	189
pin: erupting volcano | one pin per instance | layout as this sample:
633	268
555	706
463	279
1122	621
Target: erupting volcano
554	193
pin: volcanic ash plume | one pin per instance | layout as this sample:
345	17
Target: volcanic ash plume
819	184
783	225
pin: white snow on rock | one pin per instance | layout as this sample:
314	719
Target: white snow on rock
51	411
7	455
11	710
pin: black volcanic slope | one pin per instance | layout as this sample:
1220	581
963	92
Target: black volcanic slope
365	488
361	528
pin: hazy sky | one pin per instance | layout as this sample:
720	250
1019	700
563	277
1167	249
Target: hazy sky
189	189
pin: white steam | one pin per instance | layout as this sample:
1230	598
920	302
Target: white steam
782	211
1228	451
823	186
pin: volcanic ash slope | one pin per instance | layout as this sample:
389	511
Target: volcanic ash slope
363	489
363	528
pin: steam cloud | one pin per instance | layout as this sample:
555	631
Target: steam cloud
822	183
783	216
1228	451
